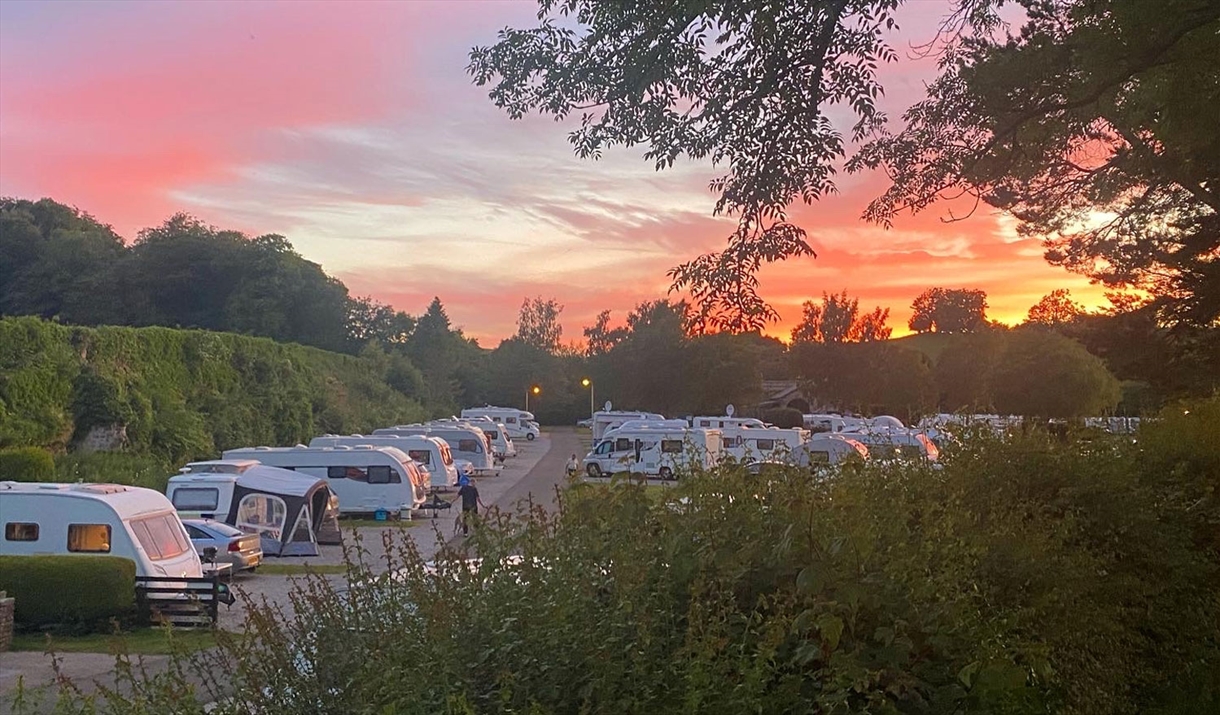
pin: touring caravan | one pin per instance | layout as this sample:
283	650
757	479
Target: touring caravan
747	444
467	443
366	478
518	423
431	453
655	452
895	444
605	420
132	522
292	513
497	436
828	449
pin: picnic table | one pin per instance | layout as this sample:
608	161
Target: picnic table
436	505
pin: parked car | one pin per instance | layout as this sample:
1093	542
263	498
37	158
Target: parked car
244	551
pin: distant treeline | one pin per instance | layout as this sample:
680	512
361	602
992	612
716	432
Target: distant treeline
62	265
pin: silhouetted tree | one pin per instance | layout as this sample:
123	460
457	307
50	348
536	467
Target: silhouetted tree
538	324
1055	308
838	320
946	310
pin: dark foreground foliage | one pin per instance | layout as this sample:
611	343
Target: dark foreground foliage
1035	575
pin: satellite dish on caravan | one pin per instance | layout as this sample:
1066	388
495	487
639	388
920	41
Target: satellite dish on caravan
729	410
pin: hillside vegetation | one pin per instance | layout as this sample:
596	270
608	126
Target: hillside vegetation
169	396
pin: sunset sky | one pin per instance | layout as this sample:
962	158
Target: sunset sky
353	129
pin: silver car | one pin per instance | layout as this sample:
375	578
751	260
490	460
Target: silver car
244	551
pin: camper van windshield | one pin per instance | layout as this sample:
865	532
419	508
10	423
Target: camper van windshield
161	536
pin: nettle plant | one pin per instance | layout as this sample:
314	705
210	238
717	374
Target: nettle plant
1026	574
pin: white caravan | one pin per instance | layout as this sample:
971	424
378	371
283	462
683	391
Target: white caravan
132	522
518	423
828	449
431	453
728	422
366	479
497	436
748	444
637	424
833	423
896	444
605	420
655	452
468	443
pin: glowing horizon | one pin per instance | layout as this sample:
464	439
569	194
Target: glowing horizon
352	129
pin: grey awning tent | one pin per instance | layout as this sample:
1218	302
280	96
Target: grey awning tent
290	511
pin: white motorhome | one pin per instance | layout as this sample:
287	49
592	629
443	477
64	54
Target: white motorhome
518	423
469	443
606	420
637	424
431	453
131	522
366	478
746	444
833	423
655	452
728	422
896	444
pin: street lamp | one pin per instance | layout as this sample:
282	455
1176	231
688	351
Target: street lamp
534	389
586	382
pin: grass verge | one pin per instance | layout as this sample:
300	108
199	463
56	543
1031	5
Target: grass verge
299	569
143	641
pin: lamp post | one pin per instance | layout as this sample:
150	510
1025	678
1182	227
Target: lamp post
589	384
534	389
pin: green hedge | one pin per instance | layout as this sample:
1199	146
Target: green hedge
77	591
26	464
185	394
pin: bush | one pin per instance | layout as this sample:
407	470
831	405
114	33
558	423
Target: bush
26	464
82	592
784	417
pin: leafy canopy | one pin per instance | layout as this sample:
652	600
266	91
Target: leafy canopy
838	320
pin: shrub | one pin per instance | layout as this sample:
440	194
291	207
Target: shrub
784	417
75	591
26	464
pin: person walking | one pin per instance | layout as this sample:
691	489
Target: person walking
471	503
573	466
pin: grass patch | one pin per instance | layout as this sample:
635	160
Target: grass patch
144	641
299	569
656	493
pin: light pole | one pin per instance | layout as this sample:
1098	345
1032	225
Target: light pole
589	384
534	389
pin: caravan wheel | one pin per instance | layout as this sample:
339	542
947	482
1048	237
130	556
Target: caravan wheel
666	473
529	436
594	470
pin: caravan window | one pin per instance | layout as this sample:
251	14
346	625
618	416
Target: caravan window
160	536
20	532
422	456
89	538
622	444
819	457
336	472
469	445
383	475
765	444
671	446
705	423
196	498
492	434
510	420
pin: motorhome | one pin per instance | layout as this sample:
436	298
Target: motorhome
605	420
747	444
431	453
895	444
467	443
366	478
132	522
518	423
833	423
728	422
291	512
636	424
655	452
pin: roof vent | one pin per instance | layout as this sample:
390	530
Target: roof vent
363	446
262	448
342	446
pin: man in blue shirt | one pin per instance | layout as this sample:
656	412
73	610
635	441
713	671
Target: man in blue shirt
471	503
